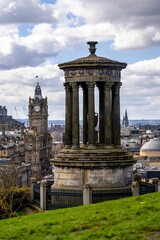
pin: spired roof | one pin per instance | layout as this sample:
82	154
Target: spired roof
92	60
151	145
38	91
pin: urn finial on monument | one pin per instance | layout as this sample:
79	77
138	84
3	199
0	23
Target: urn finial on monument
92	46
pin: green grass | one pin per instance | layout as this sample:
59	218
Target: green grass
134	218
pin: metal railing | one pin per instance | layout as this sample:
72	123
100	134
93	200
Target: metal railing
145	187
63	198
110	194
36	194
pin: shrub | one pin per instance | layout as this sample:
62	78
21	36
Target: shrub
13	199
21	198
4	208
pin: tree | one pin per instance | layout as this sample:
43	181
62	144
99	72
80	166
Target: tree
12	196
8	177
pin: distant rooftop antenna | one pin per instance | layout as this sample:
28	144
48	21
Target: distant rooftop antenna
25	111
16	112
26	115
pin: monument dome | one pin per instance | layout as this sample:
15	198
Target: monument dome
151	148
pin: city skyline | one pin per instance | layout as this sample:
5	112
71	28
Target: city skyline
37	35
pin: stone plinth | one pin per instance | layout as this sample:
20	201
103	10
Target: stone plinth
100	168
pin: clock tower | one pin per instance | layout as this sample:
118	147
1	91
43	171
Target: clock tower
38	111
37	140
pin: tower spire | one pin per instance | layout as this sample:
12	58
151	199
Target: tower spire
38	91
126	122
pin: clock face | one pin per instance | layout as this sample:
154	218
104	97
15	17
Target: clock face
36	108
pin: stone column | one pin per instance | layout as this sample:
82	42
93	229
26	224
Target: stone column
91	116
68	116
101	114
108	114
85	112
75	116
116	114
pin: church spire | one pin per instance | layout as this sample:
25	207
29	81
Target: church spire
38	91
126	122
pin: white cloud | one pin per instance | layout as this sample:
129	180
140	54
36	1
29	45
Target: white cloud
55	26
141	88
20	11
42	40
33	34
31	50
135	38
18	84
134	23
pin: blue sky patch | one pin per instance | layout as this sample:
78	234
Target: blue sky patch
75	20
49	1
25	29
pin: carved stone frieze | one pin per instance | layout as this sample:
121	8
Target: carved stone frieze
109	72
73	72
101	72
89	72
117	73
66	73
81	72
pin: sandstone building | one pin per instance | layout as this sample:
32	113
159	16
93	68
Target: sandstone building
37	139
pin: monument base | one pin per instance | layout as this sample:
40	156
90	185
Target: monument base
98	168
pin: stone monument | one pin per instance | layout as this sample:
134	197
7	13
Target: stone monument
100	164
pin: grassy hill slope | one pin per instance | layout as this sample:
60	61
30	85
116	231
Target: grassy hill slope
127	219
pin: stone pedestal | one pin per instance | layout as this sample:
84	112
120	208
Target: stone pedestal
98	168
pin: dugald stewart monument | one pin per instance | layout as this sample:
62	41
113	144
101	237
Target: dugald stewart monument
98	163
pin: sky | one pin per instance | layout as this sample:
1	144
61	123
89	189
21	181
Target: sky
37	35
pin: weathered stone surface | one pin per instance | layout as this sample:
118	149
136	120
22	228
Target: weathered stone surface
106	177
98	162
93	158
98	168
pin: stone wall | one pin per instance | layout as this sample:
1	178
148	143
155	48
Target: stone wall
76	177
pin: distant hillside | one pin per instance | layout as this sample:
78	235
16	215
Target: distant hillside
144	122
133	218
131	122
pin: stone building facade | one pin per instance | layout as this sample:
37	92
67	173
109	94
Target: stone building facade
37	139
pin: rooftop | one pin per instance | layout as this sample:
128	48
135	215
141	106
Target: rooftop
151	145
